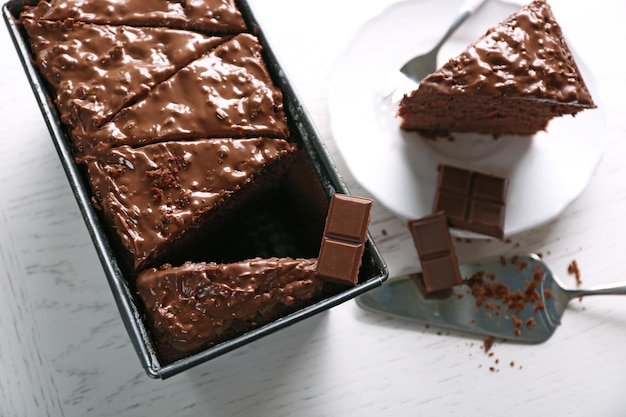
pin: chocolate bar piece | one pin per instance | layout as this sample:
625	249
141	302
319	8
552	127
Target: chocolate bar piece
343	243
440	267
472	201
348	218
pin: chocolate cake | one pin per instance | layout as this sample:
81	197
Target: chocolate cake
199	304
155	195
210	16
225	93
96	70
184	141
513	80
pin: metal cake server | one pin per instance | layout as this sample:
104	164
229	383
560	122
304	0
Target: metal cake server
413	71
535	323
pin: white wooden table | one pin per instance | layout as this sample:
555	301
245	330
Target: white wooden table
65	352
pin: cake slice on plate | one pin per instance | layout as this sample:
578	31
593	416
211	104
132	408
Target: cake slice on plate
96	70
197	305
158	197
209	16
513	80
227	92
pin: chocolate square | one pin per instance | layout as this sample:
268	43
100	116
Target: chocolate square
431	235
455	180
348	218
455	206
418	280
488	187
486	217
339	261
441	273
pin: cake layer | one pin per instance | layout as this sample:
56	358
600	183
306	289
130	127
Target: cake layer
437	115
513	80
96	70
155	197
198	304
210	16
227	92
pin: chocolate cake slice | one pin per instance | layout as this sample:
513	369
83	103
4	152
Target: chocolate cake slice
199	304
96	70
513	80
209	16
227	92
158	197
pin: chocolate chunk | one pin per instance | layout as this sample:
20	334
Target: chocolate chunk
348	218
472	200
440	267
340	261
343	243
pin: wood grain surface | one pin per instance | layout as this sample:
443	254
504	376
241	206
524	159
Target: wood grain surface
64	350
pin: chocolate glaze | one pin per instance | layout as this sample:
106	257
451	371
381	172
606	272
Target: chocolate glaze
154	194
196	304
211	16
525	56
95	70
225	93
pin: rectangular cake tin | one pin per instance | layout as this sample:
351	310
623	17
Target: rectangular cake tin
373	270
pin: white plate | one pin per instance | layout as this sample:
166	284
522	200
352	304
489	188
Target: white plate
546	172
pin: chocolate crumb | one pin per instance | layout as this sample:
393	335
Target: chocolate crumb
517	330
540	305
486	291
488	343
573	269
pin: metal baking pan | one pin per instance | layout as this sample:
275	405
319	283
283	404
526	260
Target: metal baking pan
373	270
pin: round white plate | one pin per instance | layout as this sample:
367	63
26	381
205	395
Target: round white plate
546	172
